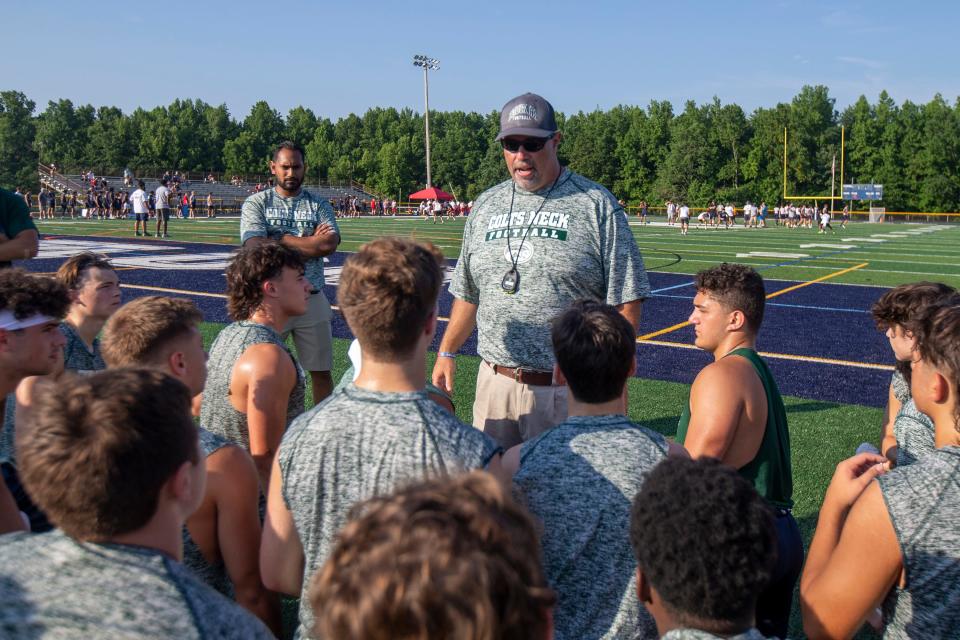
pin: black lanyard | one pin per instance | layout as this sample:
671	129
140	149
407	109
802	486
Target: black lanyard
511	279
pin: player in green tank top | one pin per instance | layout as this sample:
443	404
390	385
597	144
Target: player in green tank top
736	414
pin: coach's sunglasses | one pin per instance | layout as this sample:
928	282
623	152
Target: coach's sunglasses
531	145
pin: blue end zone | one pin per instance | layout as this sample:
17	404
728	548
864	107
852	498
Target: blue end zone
816	321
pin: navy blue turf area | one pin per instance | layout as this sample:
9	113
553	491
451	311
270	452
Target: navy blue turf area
801	327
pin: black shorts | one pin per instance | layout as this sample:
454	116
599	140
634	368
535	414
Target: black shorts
165	213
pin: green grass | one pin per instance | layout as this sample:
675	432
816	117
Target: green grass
931	256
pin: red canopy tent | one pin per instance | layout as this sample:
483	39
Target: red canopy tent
431	193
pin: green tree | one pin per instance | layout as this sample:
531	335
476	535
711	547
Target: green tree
18	160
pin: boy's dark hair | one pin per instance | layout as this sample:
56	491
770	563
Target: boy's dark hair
289	146
443	558
938	342
250	267
904	305
737	287
26	294
136	334
387	291
100	448
71	272
705	540
595	347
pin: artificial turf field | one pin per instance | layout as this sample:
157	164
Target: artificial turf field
830	362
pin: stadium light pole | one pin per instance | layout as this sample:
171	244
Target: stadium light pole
428	64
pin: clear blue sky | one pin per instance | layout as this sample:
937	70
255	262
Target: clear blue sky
346	56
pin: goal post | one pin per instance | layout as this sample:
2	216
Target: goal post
878	214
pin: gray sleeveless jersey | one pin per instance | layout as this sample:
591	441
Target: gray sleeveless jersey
217	414
923	501
579	479
52	586
213	575
912	428
6	435
358	444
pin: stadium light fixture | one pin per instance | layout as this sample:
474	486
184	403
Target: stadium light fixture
427	64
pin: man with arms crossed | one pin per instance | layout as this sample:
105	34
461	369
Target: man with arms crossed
255	387
163	208
222	538
31	344
112	568
736	415
576	478
374	433
531	246
306	223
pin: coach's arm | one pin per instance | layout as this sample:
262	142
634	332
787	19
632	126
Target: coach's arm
22	246
281	552
323	242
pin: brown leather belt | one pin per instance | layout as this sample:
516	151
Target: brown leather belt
524	376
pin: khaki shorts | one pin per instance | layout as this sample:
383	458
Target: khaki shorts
511	412
312	334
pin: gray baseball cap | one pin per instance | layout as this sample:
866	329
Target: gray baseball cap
527	115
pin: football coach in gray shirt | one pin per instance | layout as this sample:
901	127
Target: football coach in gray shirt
532	245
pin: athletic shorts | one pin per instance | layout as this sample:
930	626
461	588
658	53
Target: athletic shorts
142	217
312	334
165	213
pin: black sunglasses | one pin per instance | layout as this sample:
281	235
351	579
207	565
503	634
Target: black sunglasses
532	145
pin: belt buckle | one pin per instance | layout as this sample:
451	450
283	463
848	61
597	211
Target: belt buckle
517	372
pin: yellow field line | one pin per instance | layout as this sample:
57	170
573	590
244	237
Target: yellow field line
180	291
681	325
816	280
784	356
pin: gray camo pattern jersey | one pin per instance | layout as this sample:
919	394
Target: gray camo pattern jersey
52	586
269	215
358	444
76	357
579	245
214	575
912	428
696	634
217	414
579	479
923	501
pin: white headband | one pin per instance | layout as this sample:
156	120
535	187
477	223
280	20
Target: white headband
10	323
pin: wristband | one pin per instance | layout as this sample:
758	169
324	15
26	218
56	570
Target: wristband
446	354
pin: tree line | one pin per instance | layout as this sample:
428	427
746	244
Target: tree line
704	152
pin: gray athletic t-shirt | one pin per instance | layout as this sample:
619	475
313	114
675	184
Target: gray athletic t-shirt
923	501
358	444
269	215
696	634
579	479
217	414
76	356
213	575
52	586
578	245
912	428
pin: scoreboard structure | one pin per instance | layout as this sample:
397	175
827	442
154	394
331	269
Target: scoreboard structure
863	192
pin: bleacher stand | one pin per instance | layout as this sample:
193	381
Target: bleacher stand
228	198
